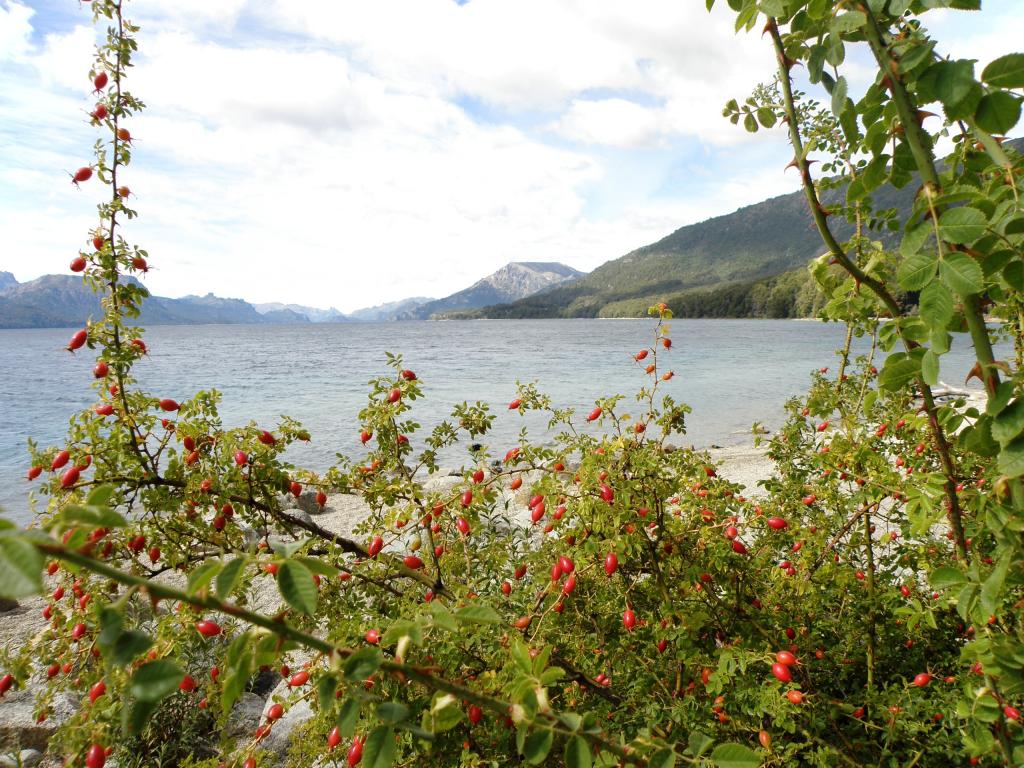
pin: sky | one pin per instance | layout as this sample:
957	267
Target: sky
346	153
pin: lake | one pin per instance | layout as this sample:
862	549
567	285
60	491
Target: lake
732	372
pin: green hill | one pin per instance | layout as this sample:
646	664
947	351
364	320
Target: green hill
721	260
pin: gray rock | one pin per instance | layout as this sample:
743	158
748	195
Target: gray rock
299	514
252	537
27	758
307	503
18	726
279	738
442	483
7	605
245	716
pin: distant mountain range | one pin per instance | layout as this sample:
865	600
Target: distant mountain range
60	301
312	314
57	301
392	310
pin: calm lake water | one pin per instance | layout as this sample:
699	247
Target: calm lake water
732	372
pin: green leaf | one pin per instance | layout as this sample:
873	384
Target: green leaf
201	577
699	743
577	753
296	585
392	711
318	566
443	618
326	687
835	52
478	614
537	746
914	239
663	758
848	22
99	517
1005	72
572	720
977	437
930	368
998	401
521	656
155	680
379	749
363	663
402	628
915	55
1013	274
873	176
915	272
1009	423
998	112
21	568
135	716
962	273
1011	458
936	306
819	9
962	225
993	585
735	756
348	717
766	117
128	646
229	577
947	578
899	370
445	712
100	496
750	123
239	664
120	647
839	91
948	81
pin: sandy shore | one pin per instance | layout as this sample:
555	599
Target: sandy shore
743	464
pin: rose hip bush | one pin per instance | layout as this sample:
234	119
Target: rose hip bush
863	608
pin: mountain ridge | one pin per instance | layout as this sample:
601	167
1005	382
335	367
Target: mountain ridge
751	245
516	280
58	301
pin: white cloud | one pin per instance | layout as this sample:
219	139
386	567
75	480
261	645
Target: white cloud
341	153
15	29
612	122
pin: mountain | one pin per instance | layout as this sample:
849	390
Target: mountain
61	301
392	310
720	259
515	280
758	241
313	314
6	281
